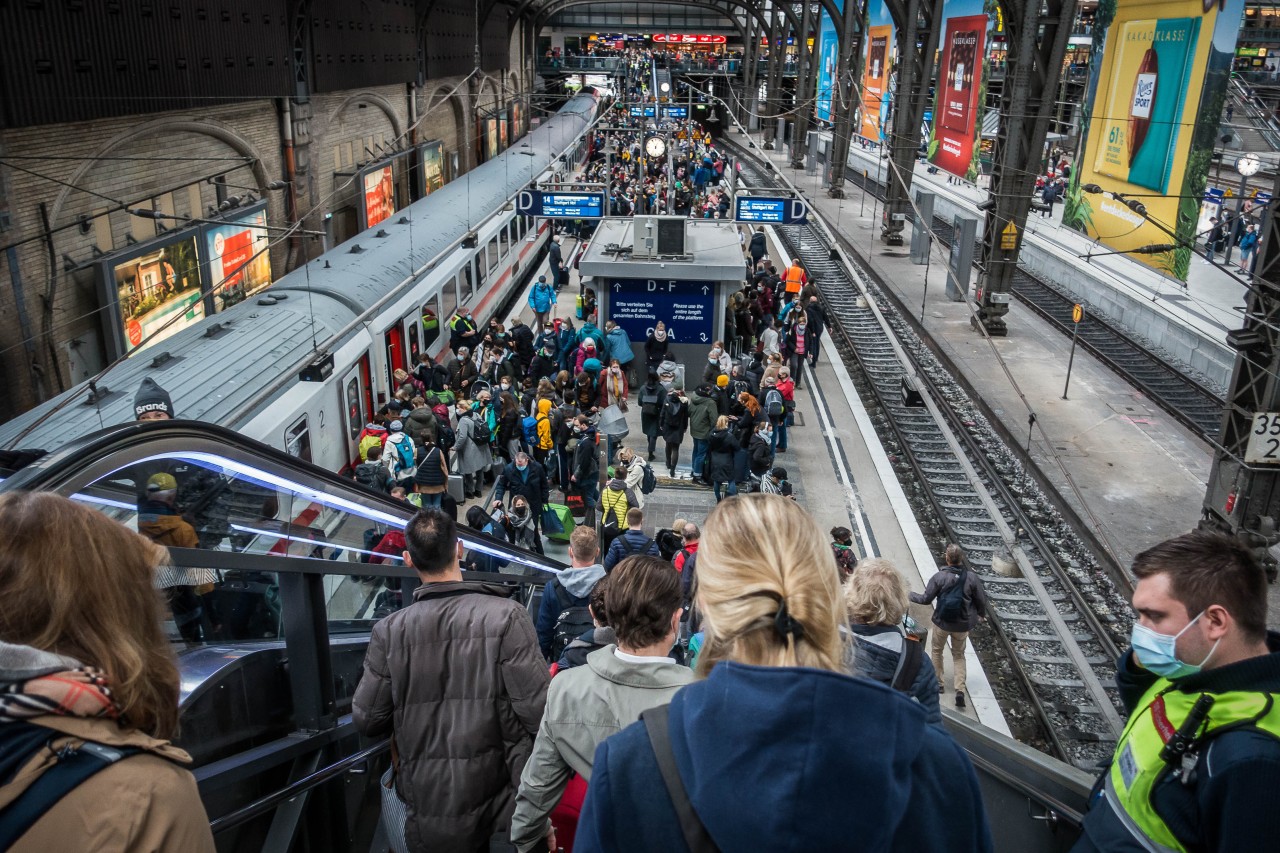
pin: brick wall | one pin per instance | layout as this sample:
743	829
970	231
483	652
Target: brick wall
162	161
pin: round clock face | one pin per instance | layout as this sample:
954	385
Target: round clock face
1248	165
655	147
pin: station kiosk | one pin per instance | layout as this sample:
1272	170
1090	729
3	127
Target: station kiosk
668	268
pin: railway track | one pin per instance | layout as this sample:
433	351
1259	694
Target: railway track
1045	589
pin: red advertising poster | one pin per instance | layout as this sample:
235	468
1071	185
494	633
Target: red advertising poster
238	265
875	81
959	109
379	196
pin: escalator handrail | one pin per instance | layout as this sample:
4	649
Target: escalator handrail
54	470
270	801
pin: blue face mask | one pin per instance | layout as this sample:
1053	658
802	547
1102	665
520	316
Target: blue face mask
521	467
1159	652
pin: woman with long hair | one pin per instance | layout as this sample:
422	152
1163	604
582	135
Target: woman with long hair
85	660
765	749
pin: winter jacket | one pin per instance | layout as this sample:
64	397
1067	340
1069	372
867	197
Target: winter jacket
422	426
461	375
761	459
615	500
375	476
655	351
916	788
471	445
509	429
542	367
817	319
586	461
635	479
655	395
522	337
530	484
721	445
584	706
432	477
617	344
674	420
161	523
629	544
758	246
146	802
543	421
542	297
577	581
875	652
457	678
590	330
703	412
975	598
1229	803
575	654
613	390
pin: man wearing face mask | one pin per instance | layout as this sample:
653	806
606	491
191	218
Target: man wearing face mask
1199	760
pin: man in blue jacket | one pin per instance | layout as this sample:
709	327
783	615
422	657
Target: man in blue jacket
525	477
631	542
1200	646
541	298
571	588
617	344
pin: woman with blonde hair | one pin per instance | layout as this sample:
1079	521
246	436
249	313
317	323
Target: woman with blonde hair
875	595
763	751
83	659
722	445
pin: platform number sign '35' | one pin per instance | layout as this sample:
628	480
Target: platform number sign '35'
1264	440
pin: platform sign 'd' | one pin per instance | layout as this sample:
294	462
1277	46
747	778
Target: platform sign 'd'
560	205
778	211
687	307
1264	440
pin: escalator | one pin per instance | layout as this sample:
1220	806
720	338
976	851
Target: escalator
284	588
291	581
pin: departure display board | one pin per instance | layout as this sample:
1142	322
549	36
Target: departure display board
571	205
775	211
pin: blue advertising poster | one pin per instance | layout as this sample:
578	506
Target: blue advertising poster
687	307
828	53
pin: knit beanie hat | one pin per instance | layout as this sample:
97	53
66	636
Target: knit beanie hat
151	398
722	381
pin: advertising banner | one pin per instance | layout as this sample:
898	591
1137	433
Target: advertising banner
960	93
151	291
432	158
379	195
876	74
1160	75
503	130
239	266
491	138
828	53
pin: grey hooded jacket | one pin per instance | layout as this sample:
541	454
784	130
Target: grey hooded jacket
585	705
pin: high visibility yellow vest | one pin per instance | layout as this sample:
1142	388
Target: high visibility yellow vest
1137	767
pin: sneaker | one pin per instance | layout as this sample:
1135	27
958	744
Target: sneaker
959	699
942	688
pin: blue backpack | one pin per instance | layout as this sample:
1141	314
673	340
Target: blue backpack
529	426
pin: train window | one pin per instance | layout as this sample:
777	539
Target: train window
493	253
411	326
431	322
521	225
297	440
355	417
515	230
449	298
482	269
505	245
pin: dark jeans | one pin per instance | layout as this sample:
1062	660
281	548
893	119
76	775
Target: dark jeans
699	455
730	489
795	361
673	454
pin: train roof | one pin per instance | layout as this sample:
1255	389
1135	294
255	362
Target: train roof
220	363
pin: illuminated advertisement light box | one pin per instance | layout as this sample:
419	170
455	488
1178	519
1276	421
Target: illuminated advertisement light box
560	205
954	135
238	263
151	291
875	81
379	190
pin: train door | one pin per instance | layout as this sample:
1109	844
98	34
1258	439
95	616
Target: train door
354	413
366	386
395	355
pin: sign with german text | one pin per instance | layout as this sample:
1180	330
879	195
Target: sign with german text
560	205
687	307
777	211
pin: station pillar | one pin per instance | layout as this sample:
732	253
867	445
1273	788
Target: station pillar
1037	37
804	86
845	96
918	25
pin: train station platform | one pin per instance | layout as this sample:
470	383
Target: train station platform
1128	469
840	474
1187	321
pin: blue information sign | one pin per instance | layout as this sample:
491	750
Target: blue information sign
577	205
687	307
675	112
779	211
643	112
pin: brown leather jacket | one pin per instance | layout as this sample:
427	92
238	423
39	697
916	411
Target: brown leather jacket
458	678
146	803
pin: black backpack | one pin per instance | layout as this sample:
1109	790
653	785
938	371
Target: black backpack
649	401
951	606
649	481
446	438
574	621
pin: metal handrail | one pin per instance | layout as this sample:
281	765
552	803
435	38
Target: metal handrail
270	801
